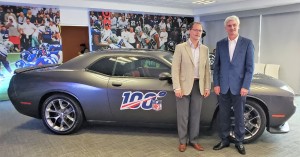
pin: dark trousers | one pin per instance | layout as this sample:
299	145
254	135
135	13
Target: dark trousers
26	41
226	102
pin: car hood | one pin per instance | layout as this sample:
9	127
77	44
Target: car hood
264	84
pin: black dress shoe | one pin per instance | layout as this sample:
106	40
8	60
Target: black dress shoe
220	146
241	149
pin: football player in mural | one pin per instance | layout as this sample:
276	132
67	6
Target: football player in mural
50	33
143	40
138	39
5	48
153	36
118	42
46	54
96	38
28	59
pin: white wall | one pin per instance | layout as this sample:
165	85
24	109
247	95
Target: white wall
249	28
242	6
280	44
74	16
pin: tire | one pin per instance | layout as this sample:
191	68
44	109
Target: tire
61	114
212	60
255	122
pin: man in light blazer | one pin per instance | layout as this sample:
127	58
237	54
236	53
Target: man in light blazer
233	70
191	83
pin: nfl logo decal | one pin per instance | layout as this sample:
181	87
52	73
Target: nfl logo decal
156	105
137	99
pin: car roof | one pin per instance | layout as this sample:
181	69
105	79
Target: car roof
86	59
137	51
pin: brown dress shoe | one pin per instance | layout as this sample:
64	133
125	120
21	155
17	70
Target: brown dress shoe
182	147
198	147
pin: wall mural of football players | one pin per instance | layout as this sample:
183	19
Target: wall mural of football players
29	36
110	30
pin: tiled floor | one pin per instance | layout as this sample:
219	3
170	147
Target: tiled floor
22	136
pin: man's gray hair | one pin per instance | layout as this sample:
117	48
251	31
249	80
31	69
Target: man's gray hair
232	18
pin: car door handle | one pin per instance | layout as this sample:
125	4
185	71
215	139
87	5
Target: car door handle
117	84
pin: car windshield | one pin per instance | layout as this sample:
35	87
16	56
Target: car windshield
169	57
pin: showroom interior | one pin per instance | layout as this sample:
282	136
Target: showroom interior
272	25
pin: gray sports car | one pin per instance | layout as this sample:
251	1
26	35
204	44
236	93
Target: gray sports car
133	87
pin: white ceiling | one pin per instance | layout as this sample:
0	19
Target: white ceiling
173	3
171	7
220	6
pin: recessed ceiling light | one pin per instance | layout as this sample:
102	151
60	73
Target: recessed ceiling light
204	2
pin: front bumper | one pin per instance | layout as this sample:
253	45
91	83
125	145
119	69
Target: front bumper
284	128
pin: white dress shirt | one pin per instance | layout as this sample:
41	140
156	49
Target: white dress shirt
232	45
196	55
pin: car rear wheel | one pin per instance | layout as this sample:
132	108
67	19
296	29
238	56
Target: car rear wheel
255	122
61	114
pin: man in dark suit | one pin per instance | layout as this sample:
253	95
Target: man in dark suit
191	83
233	70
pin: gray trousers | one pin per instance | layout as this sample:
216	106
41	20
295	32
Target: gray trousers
188	115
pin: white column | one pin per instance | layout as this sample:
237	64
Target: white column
259	39
197	18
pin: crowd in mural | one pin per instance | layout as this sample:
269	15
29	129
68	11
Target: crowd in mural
128	30
32	32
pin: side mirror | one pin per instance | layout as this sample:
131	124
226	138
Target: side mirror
165	76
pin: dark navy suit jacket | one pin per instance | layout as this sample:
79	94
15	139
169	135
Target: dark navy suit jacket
238	73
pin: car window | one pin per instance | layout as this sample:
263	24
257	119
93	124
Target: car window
169	57
104	66
139	67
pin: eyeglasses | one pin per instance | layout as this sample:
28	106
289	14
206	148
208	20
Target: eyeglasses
197	30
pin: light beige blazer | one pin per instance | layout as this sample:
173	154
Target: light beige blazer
183	68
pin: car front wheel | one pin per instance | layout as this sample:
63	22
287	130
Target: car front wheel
255	121
61	114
